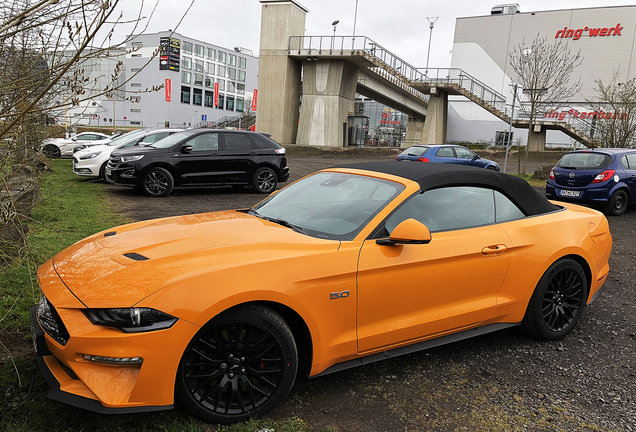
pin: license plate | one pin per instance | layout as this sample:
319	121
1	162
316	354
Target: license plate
108	171
570	193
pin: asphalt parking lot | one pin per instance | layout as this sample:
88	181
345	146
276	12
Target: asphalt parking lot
501	381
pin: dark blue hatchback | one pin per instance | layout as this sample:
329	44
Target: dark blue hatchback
446	153
605	178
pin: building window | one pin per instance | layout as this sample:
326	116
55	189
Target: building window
187	47
199	50
221	84
135	55
230	103
241	76
186	77
220	71
137	45
135	84
221	56
231	73
208	101
231	86
135	69
185	94
239	104
242	62
198	79
221	99
231	59
197	96
199	65
240	88
186	63
135	123
211	67
210	53
135	110
209	82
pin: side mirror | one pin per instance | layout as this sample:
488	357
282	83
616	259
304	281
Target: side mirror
475	157
186	148
409	231
74	139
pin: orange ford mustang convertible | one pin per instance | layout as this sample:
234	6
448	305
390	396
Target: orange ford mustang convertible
220	311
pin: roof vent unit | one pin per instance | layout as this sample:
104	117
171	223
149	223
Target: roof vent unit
505	9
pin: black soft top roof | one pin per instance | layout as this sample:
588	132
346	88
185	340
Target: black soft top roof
433	176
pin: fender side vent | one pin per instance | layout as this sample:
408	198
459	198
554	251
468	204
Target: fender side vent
110	233
135	256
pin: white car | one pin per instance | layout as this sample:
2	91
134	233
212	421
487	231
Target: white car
57	147
92	161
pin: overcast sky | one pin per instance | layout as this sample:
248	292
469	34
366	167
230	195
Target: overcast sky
398	25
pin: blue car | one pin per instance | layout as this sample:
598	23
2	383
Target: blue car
604	178
445	153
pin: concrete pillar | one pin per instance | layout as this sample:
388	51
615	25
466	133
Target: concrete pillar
329	88
536	138
279	76
414	132
436	119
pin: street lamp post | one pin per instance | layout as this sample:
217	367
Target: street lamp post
431	24
355	17
512	114
333	39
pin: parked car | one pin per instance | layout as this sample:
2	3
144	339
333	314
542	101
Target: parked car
86	144
354	264
448	154
201	157
92	161
58	147
604	178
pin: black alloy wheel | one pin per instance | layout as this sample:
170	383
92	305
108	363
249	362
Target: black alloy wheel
617	204
557	303
241	364
51	151
157	182
264	180
102	172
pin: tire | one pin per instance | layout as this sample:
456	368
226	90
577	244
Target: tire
558	301
240	365
157	182
51	151
617	204
491	168
264	180
102	172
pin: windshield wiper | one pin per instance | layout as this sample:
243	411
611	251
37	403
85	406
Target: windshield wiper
278	221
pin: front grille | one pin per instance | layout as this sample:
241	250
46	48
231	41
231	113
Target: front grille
50	321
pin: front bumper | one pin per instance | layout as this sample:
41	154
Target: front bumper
122	174
85	168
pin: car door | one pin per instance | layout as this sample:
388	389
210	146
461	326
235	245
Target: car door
203	164
630	170
467	157
445	155
240	157
411	291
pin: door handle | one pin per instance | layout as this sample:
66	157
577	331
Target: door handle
493	250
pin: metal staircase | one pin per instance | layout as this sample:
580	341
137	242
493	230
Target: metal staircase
421	83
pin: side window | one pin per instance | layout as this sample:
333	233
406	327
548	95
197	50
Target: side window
464	153
237	141
445	152
205	142
448	209
631	160
624	162
505	210
154	137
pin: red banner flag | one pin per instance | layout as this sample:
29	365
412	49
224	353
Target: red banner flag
254	101
168	90
216	94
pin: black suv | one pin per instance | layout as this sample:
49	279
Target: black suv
201	157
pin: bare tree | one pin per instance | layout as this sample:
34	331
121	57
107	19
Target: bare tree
614	107
544	70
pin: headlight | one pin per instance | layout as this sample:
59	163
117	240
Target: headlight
90	155
131	158
130	320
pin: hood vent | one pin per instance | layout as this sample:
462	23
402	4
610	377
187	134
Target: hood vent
110	233
135	256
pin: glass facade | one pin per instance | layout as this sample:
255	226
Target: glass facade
376	125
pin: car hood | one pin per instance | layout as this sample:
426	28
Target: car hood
137	150
120	269
94	148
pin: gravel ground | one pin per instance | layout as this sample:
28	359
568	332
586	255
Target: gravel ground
502	381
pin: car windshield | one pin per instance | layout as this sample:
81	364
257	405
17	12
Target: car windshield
122	139
171	140
414	151
329	205
585	160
